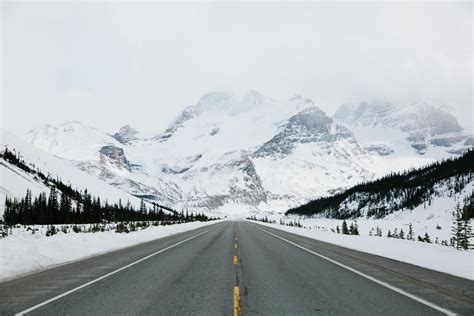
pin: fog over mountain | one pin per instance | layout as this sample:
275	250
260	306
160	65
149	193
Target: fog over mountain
138	64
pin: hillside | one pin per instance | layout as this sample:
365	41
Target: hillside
418	188
16	180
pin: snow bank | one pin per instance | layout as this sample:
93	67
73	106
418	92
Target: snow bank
431	256
22	253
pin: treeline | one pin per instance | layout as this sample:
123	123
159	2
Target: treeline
397	191
295	223
59	208
65	205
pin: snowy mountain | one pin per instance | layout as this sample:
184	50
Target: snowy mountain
15	181
240	152
425	126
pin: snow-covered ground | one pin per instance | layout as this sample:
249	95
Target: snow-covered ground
432	256
23	252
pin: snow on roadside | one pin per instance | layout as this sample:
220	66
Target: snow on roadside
431	256
24	253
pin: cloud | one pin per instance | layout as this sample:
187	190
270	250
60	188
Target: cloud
112	64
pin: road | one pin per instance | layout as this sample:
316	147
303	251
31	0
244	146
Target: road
237	267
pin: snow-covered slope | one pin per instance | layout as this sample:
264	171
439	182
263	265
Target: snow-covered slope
239	152
15	181
71	140
252	150
421	127
442	184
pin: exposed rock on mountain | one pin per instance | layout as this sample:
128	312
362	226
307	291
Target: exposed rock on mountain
115	155
308	126
126	134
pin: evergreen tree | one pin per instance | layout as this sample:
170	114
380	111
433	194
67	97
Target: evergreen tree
401	234
355	229
142	207
427	238
345	230
466	231
411	234
457	228
65	207
53	206
378	232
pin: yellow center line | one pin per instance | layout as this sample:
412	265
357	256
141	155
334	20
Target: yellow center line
236	301
236	288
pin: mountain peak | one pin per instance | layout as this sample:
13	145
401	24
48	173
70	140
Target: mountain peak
71	139
232	102
301	101
125	134
65	127
252	96
410	117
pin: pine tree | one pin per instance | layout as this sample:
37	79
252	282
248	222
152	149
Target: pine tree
345	230
411	234
53	206
65	208
355	230
466	231
378	232
427	238
457	228
142	207
401	234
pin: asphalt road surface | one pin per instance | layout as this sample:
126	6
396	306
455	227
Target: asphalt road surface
232	268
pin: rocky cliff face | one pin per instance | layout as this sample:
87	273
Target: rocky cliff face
308	126
114	155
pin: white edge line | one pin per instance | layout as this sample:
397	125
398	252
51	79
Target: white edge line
107	275
391	287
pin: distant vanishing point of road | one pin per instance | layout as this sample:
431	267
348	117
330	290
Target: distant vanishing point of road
237	268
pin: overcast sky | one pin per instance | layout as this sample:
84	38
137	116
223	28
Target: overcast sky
112	64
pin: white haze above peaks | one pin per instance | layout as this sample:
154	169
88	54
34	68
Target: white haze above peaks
120	63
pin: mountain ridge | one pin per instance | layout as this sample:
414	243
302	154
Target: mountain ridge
251	150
